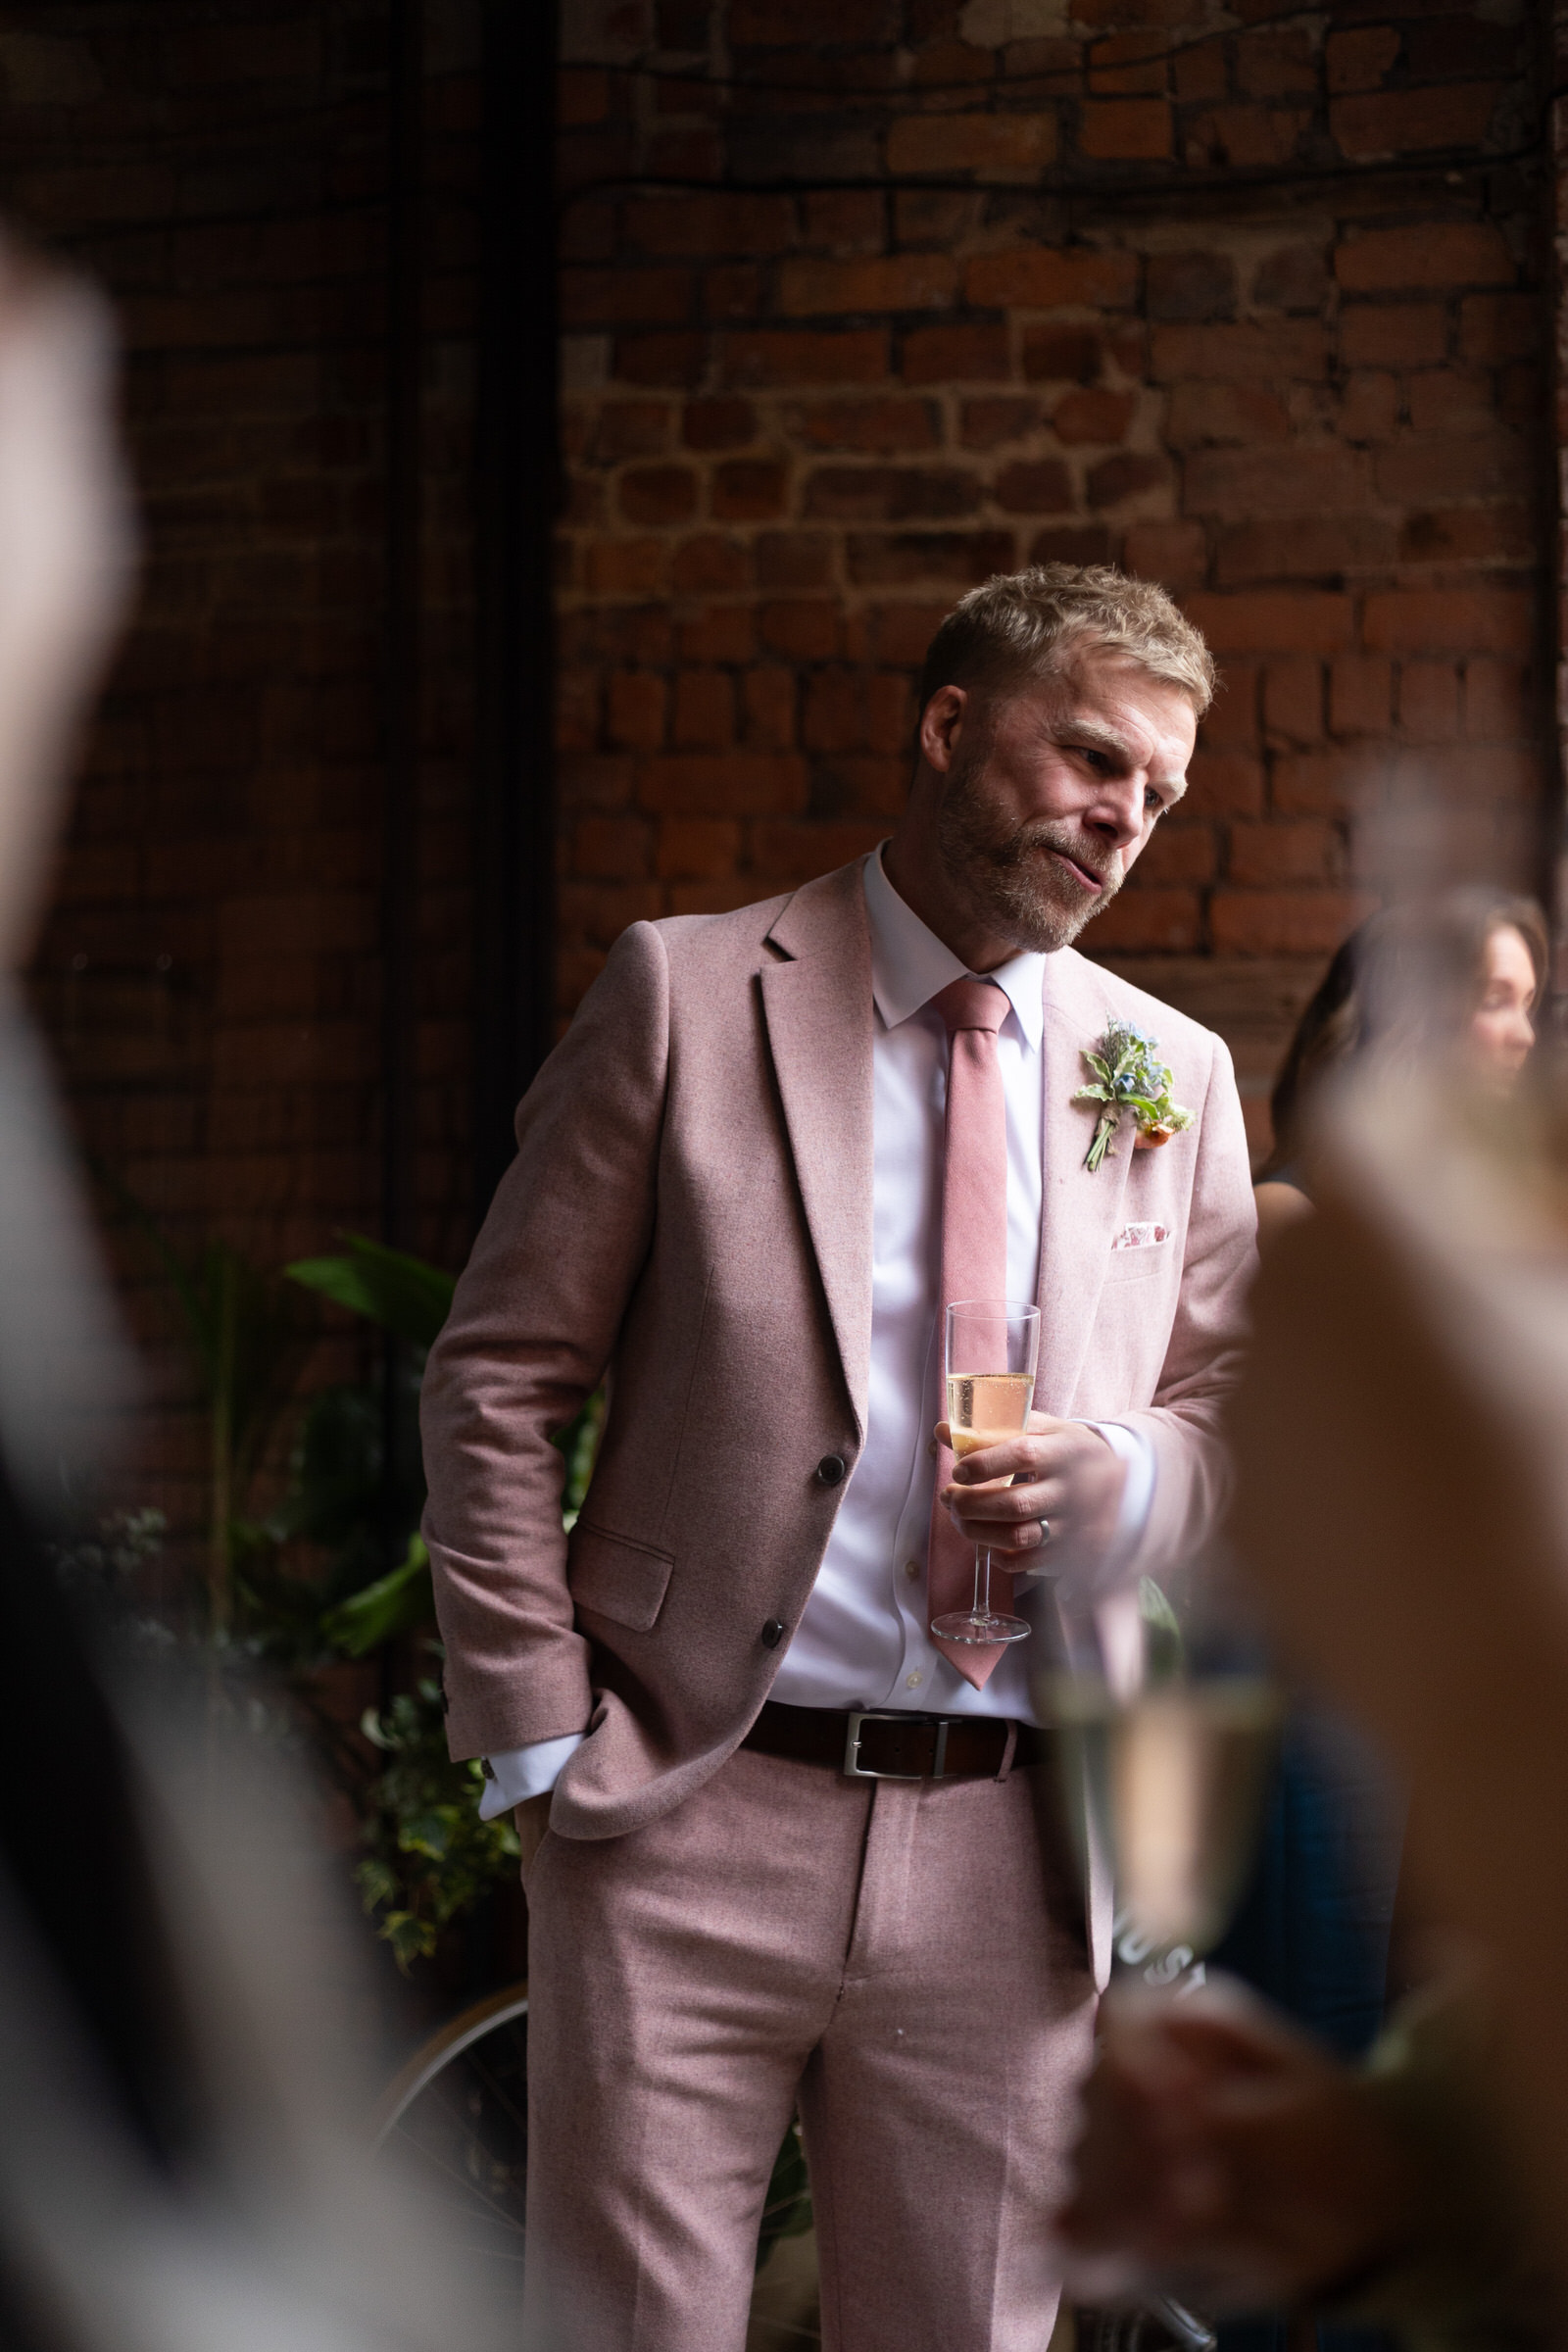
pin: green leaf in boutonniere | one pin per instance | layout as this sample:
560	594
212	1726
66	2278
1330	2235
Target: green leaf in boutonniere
1129	1081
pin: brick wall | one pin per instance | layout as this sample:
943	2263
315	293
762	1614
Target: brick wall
210	977
1261	315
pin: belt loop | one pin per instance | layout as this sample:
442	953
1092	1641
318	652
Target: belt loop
1008	1750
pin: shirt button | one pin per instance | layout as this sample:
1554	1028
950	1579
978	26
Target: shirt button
912	1682
829	1470
772	1632
911	1568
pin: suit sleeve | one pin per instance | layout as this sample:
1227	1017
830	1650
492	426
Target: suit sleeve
1203	1360
532	1329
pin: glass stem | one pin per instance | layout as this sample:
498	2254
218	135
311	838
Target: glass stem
982	1580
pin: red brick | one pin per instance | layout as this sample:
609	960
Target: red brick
1370	409
891	493
1429	700
1245	137
1321	783
625	297
1451	398
1116	479
1130	64
1293	699
724	784
1471	534
1490	620
1175	554
969	354
809	632
1496	703
632	429
1041	487
1267	855
791	356
608	848
963	556
1276	64
1001	146
900	282
1304	547
1360	694
1225	783
1394	121
770	698
1135	128
1161	921
834	718
679	360
582	96
748	490
1039	277
721	224
1248	482
1093	416
719	424
1358	59
1281	620
1251	353
703	718
1191	285
658	494
1202	413
846	219
788	854
1176	853
806	24
988	423
1294	277
707	563
697	849
795	560
719	633
882	427
1499	327
1073	543
1068	355
627	566
734	291
902	632
1306	922
1456	252
636	710
1454	465
1402	334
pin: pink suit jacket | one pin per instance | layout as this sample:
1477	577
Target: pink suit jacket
690	1209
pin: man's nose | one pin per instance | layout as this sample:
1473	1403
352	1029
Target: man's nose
1118	811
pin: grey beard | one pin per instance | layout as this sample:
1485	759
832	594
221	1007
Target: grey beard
1003	884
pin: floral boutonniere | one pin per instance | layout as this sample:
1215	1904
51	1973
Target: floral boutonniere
1129	1078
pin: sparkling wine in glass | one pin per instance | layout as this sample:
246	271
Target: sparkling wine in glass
993	1346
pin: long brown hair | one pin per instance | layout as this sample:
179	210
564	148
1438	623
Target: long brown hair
1415	970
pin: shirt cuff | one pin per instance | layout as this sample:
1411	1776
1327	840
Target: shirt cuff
1130	1446
524	1771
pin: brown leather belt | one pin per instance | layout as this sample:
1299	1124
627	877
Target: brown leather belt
889	1745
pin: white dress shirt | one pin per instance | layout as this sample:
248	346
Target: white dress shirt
862	1640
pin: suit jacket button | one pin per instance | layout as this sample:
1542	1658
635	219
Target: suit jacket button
772	1632
829	1470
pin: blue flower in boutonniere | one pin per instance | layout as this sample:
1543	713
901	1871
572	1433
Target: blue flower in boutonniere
1130	1081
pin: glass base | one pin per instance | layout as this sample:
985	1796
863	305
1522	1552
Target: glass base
981	1626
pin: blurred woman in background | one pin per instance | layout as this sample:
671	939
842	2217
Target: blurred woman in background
1460	976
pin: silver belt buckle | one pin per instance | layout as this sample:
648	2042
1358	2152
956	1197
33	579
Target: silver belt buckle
855	1769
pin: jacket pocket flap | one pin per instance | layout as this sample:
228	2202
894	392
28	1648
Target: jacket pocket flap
616	1577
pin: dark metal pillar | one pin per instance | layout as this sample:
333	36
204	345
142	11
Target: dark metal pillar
517	496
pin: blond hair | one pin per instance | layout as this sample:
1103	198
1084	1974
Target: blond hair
1020	625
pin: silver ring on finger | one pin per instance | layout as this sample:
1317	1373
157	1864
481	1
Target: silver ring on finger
1045	1531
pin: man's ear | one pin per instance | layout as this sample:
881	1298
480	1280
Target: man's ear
942	724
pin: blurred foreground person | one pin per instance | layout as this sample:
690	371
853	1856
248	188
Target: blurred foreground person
183	2160
1402	1501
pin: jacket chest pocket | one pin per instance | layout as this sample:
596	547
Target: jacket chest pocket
616	1577
1140	1264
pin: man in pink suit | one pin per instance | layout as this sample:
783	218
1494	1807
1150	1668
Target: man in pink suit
780	1845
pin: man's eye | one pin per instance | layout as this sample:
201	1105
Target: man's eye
1097	761
1152	803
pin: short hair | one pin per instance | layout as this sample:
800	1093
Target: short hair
1023	625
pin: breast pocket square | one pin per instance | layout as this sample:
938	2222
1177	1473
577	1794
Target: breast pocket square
1141	1237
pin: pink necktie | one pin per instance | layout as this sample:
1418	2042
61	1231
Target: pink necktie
975	1262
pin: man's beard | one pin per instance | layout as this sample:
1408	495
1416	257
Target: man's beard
1011	880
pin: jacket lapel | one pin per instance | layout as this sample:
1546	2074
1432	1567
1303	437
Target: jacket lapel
818	1009
1080	1214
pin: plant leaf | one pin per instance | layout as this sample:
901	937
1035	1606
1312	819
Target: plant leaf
402	1294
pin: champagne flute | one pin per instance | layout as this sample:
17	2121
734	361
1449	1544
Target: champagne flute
993	1346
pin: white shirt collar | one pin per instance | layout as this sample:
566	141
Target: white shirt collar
909	964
